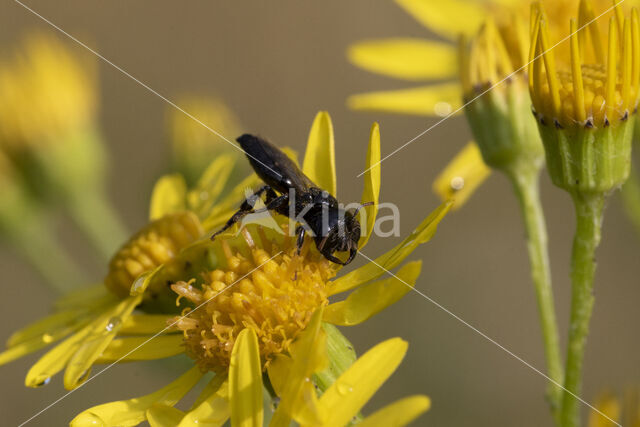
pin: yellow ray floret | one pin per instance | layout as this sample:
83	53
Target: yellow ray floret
589	94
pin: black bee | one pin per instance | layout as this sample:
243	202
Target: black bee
289	191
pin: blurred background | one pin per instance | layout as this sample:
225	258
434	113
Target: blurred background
276	65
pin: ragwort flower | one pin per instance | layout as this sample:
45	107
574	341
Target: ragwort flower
48	127
585	104
238	396
276	290
193	143
625	411
252	281
99	324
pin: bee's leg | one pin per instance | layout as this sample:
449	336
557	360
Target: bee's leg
245	208
300	232
337	260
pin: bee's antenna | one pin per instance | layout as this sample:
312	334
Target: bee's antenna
363	205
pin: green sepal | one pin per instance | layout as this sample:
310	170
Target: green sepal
586	159
504	128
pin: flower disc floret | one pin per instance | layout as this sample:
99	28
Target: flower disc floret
262	284
154	245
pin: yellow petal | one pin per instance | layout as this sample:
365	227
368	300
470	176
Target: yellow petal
55	359
168	196
142	348
142	282
406	58
462	176
290	376
230	203
60	320
372	178
320	158
37	342
213	409
370	271
132	412
399	413
102	332
370	299
142	324
433	100
245	381
160	415
202	198
610	406
85	299
355	387
448	18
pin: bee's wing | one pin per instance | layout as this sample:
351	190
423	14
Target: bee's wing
273	166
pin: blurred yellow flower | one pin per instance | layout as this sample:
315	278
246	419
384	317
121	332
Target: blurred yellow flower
238	396
48	128
626	413
192	144
47	93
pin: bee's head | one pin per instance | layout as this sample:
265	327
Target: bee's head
342	236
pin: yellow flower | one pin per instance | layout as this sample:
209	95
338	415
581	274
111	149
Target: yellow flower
192	144
175	248
48	105
48	127
46	93
99	324
253	282
417	59
585	101
438	64
626	413
239	395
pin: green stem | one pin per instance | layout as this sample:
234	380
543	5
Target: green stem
631	198
39	247
527	190
589	207
97	219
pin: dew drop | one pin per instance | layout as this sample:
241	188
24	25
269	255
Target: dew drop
274	403
113	322
44	382
457	183
47	338
442	109
344	389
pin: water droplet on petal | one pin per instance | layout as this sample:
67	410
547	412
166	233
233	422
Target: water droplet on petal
344	388
274	403
47	338
44	382
442	109
457	183
113	322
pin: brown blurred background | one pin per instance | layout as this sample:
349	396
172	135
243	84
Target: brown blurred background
277	64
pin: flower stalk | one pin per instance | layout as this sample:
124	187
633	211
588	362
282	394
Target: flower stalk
585	118
525	185
589	207
509	142
36	243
